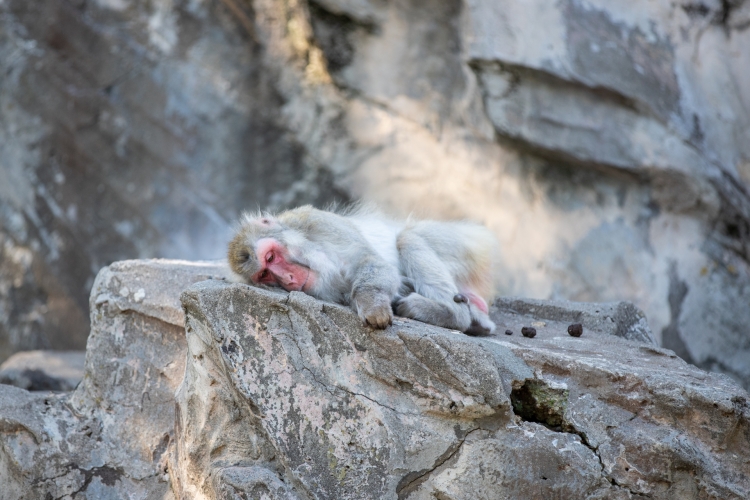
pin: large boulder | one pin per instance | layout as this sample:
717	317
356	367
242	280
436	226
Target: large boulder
110	437
239	392
288	397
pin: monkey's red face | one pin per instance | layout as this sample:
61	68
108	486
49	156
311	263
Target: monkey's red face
278	268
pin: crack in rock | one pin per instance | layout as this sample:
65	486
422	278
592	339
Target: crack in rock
335	386
411	481
536	401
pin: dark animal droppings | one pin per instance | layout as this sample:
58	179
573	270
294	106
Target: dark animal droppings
508	332
528	331
575	330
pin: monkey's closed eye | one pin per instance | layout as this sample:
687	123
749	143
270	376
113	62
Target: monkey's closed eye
269	257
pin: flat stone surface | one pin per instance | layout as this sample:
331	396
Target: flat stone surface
149	287
621	319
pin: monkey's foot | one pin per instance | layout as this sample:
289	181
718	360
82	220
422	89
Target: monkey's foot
481	324
448	315
476	329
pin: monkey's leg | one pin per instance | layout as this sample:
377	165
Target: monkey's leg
434	287
436	313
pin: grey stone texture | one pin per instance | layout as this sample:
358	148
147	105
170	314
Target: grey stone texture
330	409
621	319
604	142
128	129
240	392
110	437
44	370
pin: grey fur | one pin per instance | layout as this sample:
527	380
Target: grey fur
365	260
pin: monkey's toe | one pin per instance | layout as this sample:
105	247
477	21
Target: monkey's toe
481	324
476	329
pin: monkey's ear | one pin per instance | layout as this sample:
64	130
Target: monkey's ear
253	218
267	221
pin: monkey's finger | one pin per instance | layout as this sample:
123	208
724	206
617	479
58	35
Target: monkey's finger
381	325
378	322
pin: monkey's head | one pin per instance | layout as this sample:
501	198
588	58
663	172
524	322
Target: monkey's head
263	252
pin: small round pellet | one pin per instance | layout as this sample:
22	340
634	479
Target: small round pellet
528	331
508	332
575	330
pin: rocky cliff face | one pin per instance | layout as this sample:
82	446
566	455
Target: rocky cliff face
606	143
257	394
128	129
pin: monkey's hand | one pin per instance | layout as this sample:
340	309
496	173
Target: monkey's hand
374	309
375	284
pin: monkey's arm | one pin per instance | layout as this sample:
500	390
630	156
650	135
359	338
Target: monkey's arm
373	280
374	285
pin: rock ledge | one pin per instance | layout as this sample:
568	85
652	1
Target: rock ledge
239	392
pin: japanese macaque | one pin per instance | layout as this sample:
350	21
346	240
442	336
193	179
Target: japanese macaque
442	273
